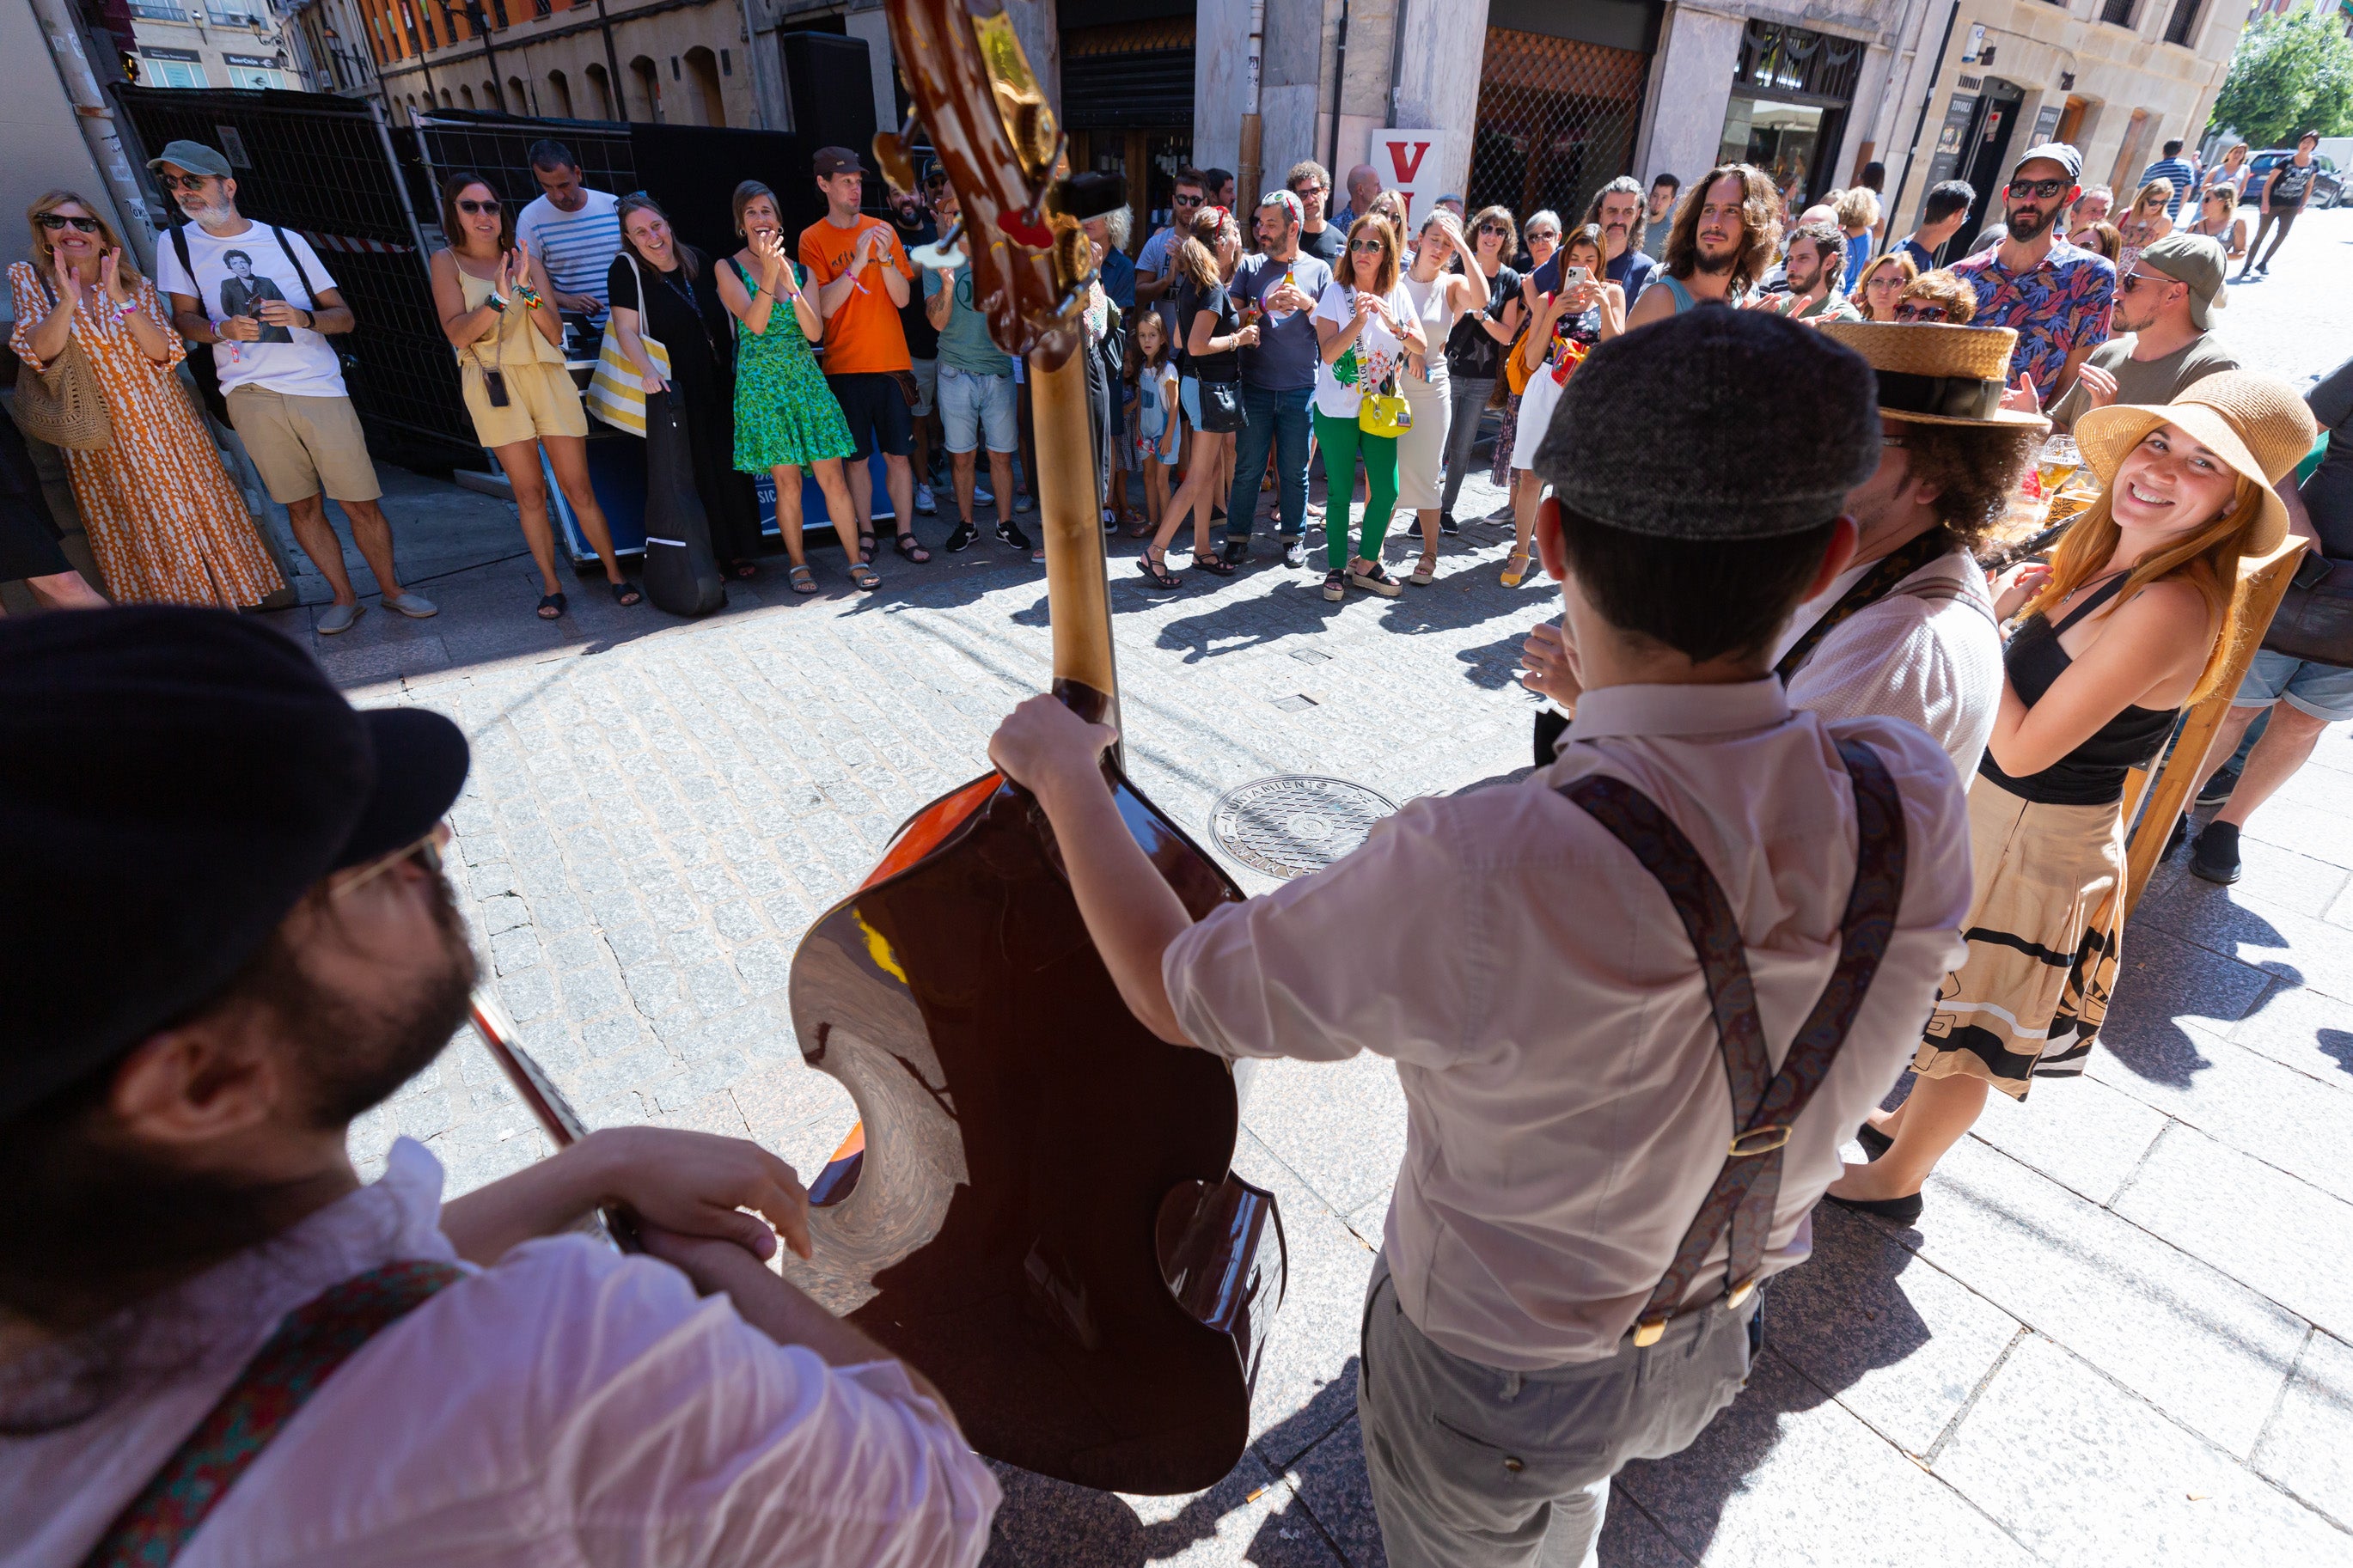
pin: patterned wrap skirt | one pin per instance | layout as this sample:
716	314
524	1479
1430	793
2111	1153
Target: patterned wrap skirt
2043	934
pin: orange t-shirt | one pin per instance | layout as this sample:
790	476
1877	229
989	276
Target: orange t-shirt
864	334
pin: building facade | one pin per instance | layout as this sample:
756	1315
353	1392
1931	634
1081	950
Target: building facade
210	43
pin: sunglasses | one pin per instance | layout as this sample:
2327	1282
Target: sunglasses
1538	234
426	852
1907	311
491	208
184	182
1493	228
1186	201
1364	244
2132	280
55	221
2023	188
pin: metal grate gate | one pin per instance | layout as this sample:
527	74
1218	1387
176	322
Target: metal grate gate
317	163
1556	121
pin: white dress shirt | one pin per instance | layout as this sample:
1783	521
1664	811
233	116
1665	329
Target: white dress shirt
567	1406
1926	651
1566	1103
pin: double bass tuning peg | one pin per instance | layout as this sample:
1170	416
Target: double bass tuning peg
890	153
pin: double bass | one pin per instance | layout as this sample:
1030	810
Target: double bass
1037	1207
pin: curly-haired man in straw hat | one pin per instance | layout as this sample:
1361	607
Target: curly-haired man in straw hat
1559	1273
2136	616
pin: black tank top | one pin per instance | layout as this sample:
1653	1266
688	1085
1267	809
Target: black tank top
2094	773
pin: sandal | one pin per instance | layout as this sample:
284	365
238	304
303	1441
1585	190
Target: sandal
1212	562
553	606
1336	585
1513	574
1369	576
745	571
625	594
1161	577
1141	527
911	549
1425	571
865	578
802	580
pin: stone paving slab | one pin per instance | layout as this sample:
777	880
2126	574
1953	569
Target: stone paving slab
2129	1290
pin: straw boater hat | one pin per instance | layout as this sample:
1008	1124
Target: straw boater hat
2253	422
1936	374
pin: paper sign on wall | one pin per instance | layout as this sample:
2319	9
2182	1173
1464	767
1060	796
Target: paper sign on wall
1412	163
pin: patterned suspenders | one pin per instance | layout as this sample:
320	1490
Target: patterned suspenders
1764	1104
311	1342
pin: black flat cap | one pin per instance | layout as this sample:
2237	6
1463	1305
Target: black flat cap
171	782
1714	424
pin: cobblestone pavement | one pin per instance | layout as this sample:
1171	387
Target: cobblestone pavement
2124	1330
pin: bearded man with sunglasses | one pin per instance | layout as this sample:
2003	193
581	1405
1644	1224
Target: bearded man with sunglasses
2165	317
191	1269
2057	298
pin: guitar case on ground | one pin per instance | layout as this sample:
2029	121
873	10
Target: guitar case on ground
681	575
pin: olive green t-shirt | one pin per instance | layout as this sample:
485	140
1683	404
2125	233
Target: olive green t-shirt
2146	381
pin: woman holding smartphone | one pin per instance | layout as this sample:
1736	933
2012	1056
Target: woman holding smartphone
498	310
1584	310
1364	327
1543	238
2135	618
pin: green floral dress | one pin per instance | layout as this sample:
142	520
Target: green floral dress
784	413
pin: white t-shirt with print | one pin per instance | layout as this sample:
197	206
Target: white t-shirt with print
1375	355
234	275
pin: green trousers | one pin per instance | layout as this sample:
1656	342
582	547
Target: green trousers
1342	444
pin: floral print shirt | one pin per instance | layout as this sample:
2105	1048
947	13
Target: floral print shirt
2061	304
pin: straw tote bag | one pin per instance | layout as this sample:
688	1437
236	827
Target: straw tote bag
615	395
63	404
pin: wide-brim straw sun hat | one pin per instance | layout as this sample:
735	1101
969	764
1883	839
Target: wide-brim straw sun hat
1933	373
2255	423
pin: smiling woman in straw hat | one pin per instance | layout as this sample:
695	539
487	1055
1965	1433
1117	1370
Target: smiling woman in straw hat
2135	616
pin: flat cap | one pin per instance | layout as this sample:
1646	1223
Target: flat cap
1714	424
172	781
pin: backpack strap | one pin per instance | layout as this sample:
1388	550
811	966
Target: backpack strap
309	292
1764	1104
179	250
310	1344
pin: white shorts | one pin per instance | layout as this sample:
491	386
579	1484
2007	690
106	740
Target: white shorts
1536	405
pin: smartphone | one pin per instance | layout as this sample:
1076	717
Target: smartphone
494	382
1575	276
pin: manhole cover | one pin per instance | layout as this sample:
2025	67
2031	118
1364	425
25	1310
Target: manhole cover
1293	823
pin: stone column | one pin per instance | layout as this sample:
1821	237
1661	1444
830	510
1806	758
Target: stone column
1444	44
1698	51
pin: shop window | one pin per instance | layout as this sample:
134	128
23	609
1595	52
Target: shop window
1790	92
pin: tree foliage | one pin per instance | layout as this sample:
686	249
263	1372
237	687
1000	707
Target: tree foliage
2289	74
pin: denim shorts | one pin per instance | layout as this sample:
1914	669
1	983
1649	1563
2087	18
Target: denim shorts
1189	397
927	386
2323	691
970	404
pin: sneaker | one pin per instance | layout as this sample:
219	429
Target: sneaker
338	618
1236	553
961	539
983	494
416	606
1110	520
1336	585
1024	501
1447	525
2214	855
1009	532
2217	788
923	502
1294	550
1369	576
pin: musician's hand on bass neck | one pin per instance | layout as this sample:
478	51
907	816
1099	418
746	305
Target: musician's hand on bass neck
1043	746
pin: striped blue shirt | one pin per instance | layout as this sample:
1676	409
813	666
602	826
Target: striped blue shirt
2180	174
577	247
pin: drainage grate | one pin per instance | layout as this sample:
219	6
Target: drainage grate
1293	823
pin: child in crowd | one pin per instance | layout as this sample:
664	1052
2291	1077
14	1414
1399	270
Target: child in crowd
1152	386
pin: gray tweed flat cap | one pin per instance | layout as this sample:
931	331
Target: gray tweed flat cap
1714	424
